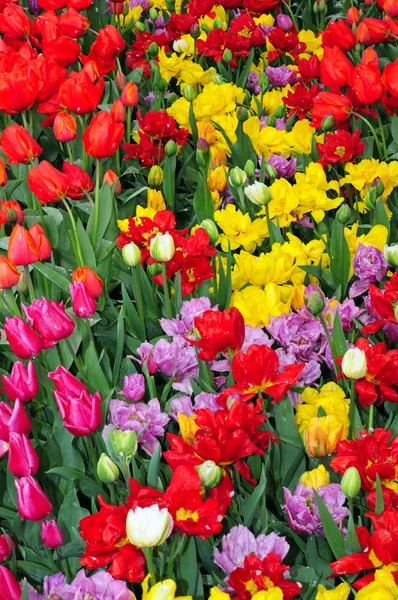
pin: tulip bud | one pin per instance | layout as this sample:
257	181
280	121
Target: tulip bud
271	121
210	473
180	46
171	98
83	303
155	176
195	31
7	545
121	80
129	96
51	535
322	6
218	79
211	229
263	82
171	148
154	270
314	300
107	471
206	28
391	254
258	193
110	178
9	586
22	284
249	168
237	177
131	254
153	49
284	22
396	311
327	123
280	111
139	26
22	457
344	214
271	171
32	503
123	442
162	247
148	527
242	113
217	23
316	478
351	482
227	55
153	14
379	186
354	363
64	127
189	93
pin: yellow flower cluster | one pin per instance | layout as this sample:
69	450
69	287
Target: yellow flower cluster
362	175
239	230
382	588
341	592
273	593
322	418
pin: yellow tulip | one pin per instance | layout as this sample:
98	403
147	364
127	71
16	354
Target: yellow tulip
164	590
341	592
316	478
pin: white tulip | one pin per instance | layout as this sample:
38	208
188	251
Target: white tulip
149	526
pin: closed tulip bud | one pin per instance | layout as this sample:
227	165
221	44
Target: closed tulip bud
22	457
351	482
153	14
15	420
284	22
79	182
139	26
162	247
12	211
32	503
123	442
50	319
117	110
154	270
107	471
354	363
121	80
23	340
9	586
210	473
391	255
171	98
81	414
129	96
189	93
9	274
316	478
322	435
314	300
280	111
396	311
327	123
47	183
217	23
323	6
66	383
83	303
162	85
205	28
271	171
3	173
379	186
249	168
148	527
344	214
90	279
352	16
211	229
22	284
242	113
131	254
22	383
218	79
227	55
41	241
263	82
155	176
195	31
271	121
153	49
7	545
180	46
103	136
51	535
371	198
258	193
315	8
171	148
19	146
237	177
64	127
22	249
110	178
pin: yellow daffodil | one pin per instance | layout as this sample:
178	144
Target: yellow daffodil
341	592
284	202
362	175
163	590
315	479
257	305
311	189
239	230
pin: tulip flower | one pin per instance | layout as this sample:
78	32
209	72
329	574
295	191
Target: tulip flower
22	249
14	22
41	240
51	535
149	526
129	95
21	383
63	50
9	274
23	340
47	183
81	415
353	364
107	471
103	136
131	254
18	88
22	457
390	78
90	279
110	177
66	383
326	103
72	23
49	319
3	173
166	590
83	302
335	68
32	503
13	420
117	110
12	212
351	482
18	145
162	248
365	81
258	193
79	182
316	477
322	435
64	127
7	544
9	586
79	94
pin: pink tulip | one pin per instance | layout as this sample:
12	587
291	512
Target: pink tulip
32	503
51	535
23	340
6	546
13	420
81	415
49	319
22	457
83	303
22	383
66	383
9	587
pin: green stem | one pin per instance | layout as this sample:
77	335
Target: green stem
172	555
372	130
383	137
70	154
79	256
138	297
128	124
10	298
329	339
149	562
371	415
96	206
351	431
166	292
30	284
51	560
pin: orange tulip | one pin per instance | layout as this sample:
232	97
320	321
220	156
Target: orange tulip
129	95
41	241
9	274
90	279
22	249
3	173
64	127
110	177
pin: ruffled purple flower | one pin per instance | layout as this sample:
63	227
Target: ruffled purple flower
370	266
100	586
133	387
252	83
310	375
255	335
184	404
240	542
302	511
285	168
147	420
143	3
279	124
281	76
183	323
347	310
300	334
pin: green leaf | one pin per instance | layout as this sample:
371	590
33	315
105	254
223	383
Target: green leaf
379	496
250	506
338	337
153	470
332	532
190	581
95	374
35	570
169	180
85	244
394	128
340	258
119	347
380	216
25	595
105	213
352	544
245	73
53	275
88	486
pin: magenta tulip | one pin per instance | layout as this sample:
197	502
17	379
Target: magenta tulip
83	303
51	535
23	340
9	586
66	383
21	383
22	457
32	503
13	420
49	319
6	546
81	415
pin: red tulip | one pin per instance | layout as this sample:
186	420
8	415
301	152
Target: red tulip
337	33
90	279
66	383
219	331
81	415
22	457
51	535
79	94
309	68
352	16
49	319
23	340
13	420
366	84
72	23
14	22
21	383
390	7
18	145
390	78
106	47
110	177
80	4
9	586
18	88
103	136
47	183
64	127
335	68
129	95
22	249
42	242
372	31
9	274
32	503
117	110
12	212
51	76
3	173
83	302
370	57
7	545
79	181
52	4
326	103
63	50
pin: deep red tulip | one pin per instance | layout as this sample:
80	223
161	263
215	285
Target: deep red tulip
79	181
49	318
22	457
66	383
42	242
352	16
106	47
309	68
21	383
219	331
7	545
110	177
32	503
390	78
83	302
51	76
47	183
23	340
63	50
9	586
14	22
390	7
3	173
51	535
370	57
326	103
18	145
366	84
13	420
9	274
46	26
372	31
103	136
81	415
12	211
117	110
72	23
129	95
80	4
18	88
79	94
52	4
337	33
22	249
64	127
335	68
90	279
